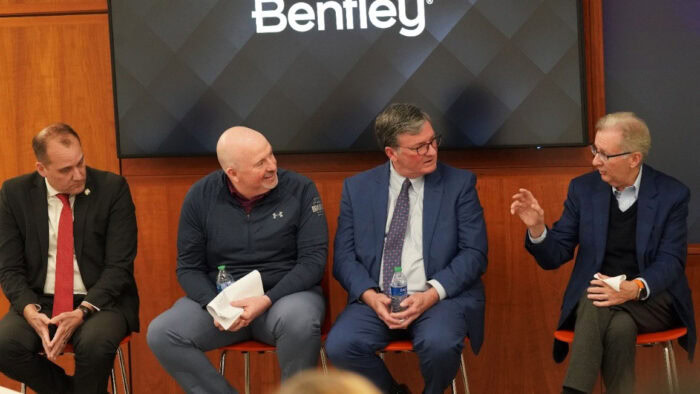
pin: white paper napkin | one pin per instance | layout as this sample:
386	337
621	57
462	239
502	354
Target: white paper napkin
613	282
220	307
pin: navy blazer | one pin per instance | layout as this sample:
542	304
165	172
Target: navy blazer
454	237
661	240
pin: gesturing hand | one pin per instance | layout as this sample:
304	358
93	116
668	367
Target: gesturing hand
528	209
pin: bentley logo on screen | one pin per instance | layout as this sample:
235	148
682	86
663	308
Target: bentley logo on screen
302	16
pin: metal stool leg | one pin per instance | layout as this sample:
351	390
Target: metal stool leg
324	364
668	356
123	369
222	362
246	359
464	373
114	381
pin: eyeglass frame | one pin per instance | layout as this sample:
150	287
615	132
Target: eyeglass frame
606	157
434	142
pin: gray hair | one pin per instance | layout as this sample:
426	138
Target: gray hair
635	133
59	130
397	119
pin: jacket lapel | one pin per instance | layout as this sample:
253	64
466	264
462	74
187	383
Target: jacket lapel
646	206
40	211
380	213
432	198
601	216
80	208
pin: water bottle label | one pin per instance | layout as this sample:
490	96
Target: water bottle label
398	291
222	286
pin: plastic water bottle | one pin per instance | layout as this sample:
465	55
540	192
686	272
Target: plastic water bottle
223	279
399	290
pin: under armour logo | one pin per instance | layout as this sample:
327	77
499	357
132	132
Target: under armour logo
278	215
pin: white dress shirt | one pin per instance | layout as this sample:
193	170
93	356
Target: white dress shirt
412	254
625	199
55	207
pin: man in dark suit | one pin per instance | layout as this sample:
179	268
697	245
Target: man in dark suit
626	219
67	248
441	246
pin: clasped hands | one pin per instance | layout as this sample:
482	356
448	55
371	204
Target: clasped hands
252	308
66	323
415	305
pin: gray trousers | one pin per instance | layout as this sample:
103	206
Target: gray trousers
180	336
605	340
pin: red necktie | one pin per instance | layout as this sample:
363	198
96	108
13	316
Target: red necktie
63	288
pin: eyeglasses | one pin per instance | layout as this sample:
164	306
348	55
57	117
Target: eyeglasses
423	148
603	156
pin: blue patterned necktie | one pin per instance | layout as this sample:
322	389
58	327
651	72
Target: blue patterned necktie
393	245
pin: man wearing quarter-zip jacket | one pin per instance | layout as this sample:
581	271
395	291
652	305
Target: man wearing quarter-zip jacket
249	215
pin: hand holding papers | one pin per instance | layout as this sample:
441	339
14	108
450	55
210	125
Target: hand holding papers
220	307
613	282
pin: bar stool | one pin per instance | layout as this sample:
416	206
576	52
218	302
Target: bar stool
120	355
650	339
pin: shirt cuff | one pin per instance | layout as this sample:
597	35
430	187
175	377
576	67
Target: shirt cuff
93	306
538	239
648	290
441	290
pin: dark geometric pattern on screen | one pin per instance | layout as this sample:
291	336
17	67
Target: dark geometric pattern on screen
490	73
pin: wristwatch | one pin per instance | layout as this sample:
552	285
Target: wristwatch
87	312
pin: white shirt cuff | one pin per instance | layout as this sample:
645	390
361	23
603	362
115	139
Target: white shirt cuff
441	290
646	286
538	239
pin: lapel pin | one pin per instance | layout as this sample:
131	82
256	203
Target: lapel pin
87	192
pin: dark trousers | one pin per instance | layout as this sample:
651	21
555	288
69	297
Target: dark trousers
438	339
605	340
95	343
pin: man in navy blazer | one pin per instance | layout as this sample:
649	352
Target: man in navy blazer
626	219
443	256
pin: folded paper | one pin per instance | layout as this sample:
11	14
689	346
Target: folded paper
220	307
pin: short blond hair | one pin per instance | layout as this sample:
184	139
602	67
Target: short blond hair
635	133
335	382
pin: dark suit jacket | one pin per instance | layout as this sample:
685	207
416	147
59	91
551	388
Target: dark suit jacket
454	237
104	231
661	238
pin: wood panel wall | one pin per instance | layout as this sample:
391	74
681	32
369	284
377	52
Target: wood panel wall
55	66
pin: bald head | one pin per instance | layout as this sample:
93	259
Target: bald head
237	143
246	157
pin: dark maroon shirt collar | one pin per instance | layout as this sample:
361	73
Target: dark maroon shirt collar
246	203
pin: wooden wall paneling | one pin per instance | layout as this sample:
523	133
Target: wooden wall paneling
56	68
50	7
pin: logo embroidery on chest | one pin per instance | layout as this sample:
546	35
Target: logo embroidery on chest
276	215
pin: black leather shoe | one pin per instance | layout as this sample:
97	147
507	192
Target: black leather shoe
397	388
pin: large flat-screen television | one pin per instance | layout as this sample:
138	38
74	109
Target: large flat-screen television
312	75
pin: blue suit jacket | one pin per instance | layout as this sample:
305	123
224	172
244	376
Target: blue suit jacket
454	237
661	238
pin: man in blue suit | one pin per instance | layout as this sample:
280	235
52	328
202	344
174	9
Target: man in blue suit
441	248
626	219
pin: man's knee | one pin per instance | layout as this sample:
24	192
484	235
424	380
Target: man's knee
156	335
298	320
621	330
437	345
